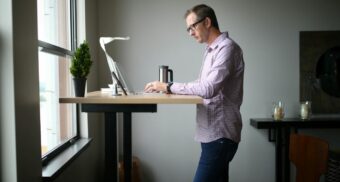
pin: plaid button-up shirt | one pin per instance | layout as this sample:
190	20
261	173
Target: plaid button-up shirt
220	84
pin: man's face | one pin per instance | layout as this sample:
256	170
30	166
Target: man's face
196	28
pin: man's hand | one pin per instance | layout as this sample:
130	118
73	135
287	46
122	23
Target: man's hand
155	86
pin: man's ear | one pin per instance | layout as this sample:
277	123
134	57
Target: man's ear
207	22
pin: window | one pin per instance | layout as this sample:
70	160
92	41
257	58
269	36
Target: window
56	34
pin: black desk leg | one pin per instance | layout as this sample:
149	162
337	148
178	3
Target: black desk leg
111	146
278	155
127	146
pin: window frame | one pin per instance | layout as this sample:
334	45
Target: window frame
62	52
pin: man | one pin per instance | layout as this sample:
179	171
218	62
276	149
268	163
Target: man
220	84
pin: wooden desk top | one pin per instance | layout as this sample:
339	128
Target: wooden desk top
99	97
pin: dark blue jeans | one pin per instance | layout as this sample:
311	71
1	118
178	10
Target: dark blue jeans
214	161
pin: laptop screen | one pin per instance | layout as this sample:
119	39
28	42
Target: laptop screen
118	82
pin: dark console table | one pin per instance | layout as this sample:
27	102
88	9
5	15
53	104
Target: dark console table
279	131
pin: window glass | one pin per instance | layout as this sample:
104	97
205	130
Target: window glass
54	22
58	121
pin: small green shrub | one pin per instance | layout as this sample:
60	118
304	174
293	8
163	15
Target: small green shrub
81	61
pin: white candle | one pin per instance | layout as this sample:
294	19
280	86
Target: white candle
304	112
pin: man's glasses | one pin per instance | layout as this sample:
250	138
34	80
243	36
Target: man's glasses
193	26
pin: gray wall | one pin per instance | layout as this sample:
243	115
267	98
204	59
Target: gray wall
268	32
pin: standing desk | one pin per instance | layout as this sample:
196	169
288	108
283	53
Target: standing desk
279	132
111	105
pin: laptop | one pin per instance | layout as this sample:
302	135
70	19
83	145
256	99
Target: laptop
129	92
119	83
117	76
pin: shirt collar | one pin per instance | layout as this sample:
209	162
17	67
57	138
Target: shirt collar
217	41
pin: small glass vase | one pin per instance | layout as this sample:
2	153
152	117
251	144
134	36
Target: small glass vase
278	111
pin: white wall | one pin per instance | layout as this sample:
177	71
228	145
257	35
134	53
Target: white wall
20	128
267	31
7	131
20	155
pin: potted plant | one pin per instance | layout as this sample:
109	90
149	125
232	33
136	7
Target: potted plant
80	68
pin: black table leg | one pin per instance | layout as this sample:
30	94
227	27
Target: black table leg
110	111
127	146
282	165
278	155
110	147
286	154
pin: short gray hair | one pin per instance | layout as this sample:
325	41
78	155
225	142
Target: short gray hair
203	11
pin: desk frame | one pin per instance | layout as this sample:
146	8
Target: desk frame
281	131
111	105
111	137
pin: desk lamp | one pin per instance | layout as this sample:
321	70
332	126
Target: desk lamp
112	64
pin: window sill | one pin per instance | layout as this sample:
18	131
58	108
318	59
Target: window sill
59	163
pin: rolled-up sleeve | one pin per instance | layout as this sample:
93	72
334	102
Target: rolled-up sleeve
214	73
